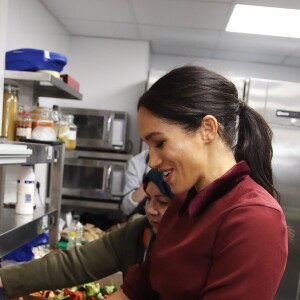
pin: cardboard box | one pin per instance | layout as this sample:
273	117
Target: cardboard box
70	81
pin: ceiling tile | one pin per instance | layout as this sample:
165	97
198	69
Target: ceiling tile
296	52
113	10
292	61
247	57
101	29
294	4
177	27
257	43
178	36
206	15
185	51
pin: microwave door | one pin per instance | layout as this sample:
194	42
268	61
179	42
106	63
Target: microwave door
118	180
94	131
85	178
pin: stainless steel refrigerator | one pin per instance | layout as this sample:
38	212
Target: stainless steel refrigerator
279	103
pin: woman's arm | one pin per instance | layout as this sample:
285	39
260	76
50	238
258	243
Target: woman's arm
133	193
100	258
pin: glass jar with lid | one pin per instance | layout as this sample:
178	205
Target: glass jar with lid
42	116
10	109
23	125
67	132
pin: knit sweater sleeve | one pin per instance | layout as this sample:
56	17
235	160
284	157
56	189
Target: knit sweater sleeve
114	252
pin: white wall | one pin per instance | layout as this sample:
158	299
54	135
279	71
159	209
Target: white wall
3	17
30	25
112	75
228	68
27	24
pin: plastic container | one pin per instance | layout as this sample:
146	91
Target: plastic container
75	232
10	109
25	190
68	132
28	59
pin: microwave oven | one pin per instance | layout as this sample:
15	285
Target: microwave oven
90	175
101	130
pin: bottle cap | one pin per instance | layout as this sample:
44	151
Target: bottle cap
76	217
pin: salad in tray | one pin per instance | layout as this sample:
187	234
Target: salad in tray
88	291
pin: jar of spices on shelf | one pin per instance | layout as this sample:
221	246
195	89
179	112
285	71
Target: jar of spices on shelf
10	108
23	125
42	124
67	132
42	116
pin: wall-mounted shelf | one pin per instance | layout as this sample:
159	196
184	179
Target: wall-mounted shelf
43	84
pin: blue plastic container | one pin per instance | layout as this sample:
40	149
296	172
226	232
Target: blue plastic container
28	59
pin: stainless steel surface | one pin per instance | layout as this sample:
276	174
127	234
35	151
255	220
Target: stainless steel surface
267	97
2	189
44	84
56	180
283	96
43	153
98	155
240	84
90	204
16	230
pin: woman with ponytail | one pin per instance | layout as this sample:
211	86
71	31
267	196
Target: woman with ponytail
228	239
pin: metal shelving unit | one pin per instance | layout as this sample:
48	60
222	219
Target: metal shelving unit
16	230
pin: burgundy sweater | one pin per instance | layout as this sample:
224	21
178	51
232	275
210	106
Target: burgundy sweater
229	243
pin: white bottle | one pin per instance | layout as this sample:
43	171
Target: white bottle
75	232
25	190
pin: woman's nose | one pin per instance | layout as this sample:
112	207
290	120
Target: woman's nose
151	208
154	160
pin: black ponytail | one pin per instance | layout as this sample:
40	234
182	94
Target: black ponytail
254	145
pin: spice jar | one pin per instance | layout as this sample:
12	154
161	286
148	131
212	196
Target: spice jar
10	108
23	125
42	116
67	131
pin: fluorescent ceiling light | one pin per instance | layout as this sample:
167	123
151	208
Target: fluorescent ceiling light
265	21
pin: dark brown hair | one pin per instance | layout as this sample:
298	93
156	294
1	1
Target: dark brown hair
186	94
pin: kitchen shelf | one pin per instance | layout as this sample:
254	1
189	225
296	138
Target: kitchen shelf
43	84
16	230
13	153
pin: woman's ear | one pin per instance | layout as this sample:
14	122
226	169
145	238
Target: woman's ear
209	128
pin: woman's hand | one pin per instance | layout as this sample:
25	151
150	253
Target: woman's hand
118	295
